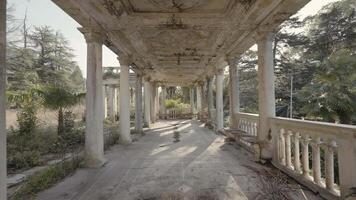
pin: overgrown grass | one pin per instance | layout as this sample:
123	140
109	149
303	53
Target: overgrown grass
45	179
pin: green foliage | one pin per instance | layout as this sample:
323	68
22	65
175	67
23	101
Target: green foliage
44	58
331	94
172	103
45	179
23	160
59	98
27	119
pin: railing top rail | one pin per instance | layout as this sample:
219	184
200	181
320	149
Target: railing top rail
251	115
312	127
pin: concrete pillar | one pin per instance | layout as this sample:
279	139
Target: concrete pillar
192	100
94	138
163	100
157	101
105	103
219	100
111	103
266	93
125	135
234	92
138	106
3	165
199	100
117	102
147	114
210	98
153	102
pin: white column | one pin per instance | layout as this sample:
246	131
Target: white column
199	100
117	102
157	103
266	93
3	170
192	104
105	103
163	100
111	103
219	100
147	116
153	102
210	98
125	135
138	105
94	138
234	92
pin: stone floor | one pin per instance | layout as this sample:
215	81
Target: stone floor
177	160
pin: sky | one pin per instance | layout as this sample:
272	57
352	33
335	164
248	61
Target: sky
45	12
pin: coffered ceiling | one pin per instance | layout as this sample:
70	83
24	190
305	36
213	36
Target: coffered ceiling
180	41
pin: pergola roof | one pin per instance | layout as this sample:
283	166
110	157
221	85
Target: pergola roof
180	41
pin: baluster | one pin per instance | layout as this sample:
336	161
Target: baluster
288	149
250	128
305	157
254	128
282	144
329	166
296	153
316	161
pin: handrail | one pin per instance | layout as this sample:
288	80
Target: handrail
330	145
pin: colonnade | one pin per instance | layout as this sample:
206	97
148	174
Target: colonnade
147	114
266	93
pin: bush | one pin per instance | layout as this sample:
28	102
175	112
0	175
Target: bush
21	160
27	119
46	179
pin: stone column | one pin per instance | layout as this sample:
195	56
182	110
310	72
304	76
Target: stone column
3	165
234	92
210	98
199	100
192	104
125	135
105	103
157	103
219	100
266	93
147	95
111	103
153	102
163	100
138	104
117	102
94	138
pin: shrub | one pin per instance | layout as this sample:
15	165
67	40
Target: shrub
46	179
25	159
27	119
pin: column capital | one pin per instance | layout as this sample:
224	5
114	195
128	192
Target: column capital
231	59
265	35
92	35
219	71
124	59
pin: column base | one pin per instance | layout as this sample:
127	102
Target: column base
95	163
125	141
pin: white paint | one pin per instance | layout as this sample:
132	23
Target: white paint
125	135
219	100
94	138
111	102
138	106
210	98
266	93
147	96
199	99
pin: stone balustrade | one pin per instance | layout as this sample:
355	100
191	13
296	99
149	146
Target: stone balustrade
247	123
319	155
